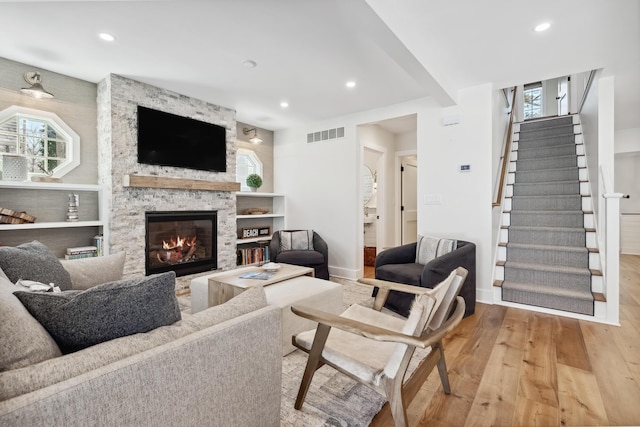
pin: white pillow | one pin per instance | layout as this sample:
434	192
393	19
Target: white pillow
428	248
296	240
88	272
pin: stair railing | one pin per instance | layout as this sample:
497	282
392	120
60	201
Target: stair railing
505	155
611	261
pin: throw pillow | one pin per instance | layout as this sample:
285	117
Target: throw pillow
88	272
33	261
79	319
23	341
301	240
429	248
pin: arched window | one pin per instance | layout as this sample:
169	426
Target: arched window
247	162
51	146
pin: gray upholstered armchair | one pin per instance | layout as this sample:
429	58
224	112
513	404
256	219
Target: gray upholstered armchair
398	265
318	258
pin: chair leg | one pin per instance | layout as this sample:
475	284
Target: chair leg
313	362
393	390
442	369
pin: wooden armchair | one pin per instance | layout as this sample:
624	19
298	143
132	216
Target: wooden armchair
375	348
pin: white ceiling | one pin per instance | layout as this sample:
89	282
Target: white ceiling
306	50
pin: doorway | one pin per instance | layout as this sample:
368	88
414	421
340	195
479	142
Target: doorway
408	199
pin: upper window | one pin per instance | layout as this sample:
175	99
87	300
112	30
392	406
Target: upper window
51	146
247	162
533	101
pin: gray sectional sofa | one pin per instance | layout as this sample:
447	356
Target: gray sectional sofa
219	367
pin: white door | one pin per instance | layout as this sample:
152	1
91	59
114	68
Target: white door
563	96
409	203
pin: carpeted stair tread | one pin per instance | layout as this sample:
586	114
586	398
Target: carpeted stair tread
549	290
546	188
549	202
549	141
541	152
546	228
547	247
546	122
549	268
554	212
549	175
545	163
532	135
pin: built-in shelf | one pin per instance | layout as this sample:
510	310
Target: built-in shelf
275	218
48	201
39	225
152	181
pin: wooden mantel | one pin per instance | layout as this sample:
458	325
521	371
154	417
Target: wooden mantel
148	181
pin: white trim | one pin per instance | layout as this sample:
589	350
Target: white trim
73	149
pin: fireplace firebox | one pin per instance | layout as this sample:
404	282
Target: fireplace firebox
182	241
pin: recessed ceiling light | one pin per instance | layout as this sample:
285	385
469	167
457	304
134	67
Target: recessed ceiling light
106	37
284	104
542	27
249	64
351	83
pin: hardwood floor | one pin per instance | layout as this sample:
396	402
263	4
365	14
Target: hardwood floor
511	367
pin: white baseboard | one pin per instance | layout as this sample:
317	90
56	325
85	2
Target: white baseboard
345	273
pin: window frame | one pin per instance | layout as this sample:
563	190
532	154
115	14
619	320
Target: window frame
255	159
72	149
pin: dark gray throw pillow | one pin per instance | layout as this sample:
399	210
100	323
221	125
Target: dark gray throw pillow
33	261
79	319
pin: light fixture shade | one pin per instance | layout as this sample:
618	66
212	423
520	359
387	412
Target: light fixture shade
36	90
254	139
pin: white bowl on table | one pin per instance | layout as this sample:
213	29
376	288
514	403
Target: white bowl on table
271	266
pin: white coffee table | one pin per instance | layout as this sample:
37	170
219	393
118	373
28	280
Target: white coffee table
298	290
224	286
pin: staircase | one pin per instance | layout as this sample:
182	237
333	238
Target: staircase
547	255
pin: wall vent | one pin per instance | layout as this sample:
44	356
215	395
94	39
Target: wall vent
325	135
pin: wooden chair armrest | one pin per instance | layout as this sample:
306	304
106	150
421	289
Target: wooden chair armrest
369	331
393	286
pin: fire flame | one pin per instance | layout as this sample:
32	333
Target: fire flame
179	243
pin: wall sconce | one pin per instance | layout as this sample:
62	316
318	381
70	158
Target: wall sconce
254	139
36	90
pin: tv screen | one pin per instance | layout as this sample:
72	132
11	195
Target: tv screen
169	140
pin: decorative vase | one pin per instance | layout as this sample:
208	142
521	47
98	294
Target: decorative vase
254	189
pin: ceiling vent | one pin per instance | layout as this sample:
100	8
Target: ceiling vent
325	135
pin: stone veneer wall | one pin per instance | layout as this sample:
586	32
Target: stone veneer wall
118	98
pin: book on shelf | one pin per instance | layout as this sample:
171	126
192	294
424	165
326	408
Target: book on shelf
82	250
81	255
98	240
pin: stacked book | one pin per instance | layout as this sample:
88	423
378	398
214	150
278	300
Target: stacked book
98	240
81	252
253	255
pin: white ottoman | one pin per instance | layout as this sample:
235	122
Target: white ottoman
304	290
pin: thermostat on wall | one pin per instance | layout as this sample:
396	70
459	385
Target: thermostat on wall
465	168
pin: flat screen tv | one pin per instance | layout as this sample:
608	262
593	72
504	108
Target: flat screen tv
169	140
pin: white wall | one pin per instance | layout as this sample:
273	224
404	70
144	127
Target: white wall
465	212
74	103
627	140
322	181
627	181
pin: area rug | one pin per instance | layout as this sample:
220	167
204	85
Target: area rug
333	399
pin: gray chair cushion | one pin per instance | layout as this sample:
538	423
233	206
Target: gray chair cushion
307	258
23	341
77	320
409	273
33	261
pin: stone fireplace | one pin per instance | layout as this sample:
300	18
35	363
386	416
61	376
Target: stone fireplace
180	241
127	205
